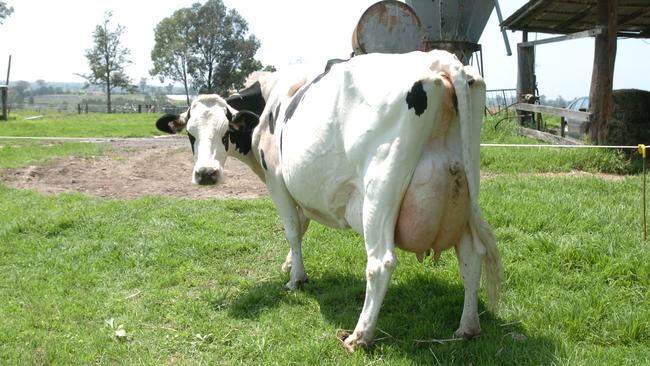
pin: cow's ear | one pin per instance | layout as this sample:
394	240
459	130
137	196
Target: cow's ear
170	123
244	121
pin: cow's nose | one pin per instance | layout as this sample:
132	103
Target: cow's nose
206	176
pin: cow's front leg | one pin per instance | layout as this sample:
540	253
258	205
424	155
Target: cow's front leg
304	224
295	224
469	261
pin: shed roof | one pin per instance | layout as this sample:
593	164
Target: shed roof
571	16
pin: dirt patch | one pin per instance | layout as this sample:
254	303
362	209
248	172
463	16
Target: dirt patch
127	172
150	167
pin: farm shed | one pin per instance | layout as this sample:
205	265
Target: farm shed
606	20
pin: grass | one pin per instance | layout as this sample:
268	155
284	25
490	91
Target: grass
80	125
17	153
531	160
198	282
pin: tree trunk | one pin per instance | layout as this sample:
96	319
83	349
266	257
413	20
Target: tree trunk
602	77
109	108
187	91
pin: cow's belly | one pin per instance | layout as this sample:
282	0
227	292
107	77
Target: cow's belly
435	207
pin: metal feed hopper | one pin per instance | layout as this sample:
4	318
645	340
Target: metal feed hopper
392	26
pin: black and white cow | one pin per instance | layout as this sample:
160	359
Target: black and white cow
385	144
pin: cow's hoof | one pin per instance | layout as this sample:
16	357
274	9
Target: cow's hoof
350	341
467	334
296	285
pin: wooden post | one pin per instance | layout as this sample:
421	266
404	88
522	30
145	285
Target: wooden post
525	76
602	76
4	103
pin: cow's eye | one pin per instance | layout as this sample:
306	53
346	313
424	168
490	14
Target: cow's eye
192	139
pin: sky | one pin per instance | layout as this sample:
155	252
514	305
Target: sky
47	40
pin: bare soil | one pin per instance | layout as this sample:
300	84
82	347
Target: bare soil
134	169
152	167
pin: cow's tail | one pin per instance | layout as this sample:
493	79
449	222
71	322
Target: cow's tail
470	93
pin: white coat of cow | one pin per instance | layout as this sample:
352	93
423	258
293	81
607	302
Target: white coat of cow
385	144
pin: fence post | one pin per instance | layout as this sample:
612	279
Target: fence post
139	108
86	108
4	103
79	108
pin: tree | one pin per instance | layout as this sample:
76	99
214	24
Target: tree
171	52
107	60
143	85
19	91
207	44
5	10
223	56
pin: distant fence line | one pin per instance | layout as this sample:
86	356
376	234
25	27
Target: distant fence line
497	101
84	108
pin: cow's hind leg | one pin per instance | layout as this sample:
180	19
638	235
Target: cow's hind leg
379	235
379	268
469	260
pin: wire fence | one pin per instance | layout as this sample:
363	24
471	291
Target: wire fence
84	108
500	100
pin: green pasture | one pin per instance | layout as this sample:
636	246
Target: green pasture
173	281
53	124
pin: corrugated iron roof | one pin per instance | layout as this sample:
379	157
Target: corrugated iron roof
571	16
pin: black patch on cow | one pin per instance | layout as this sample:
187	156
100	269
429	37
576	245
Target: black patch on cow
291	109
272	118
281	134
224	140
333	62
240	131
228	115
192	140
263	161
249	99
417	98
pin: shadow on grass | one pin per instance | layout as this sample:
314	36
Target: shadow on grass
417	320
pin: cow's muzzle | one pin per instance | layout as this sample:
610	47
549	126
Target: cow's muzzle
207	176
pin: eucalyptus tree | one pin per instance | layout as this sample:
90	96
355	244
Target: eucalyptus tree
107	60
172	51
207	46
5	10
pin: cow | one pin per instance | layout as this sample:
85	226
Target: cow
387	145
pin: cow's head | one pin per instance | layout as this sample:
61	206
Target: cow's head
215	130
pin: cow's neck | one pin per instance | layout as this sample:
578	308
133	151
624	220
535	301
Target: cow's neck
252	161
